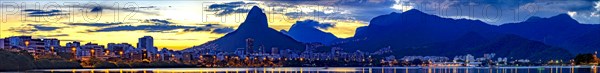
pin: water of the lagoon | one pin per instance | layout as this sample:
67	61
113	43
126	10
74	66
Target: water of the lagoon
539	69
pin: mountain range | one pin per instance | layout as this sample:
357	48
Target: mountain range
255	27
417	33
308	31
560	30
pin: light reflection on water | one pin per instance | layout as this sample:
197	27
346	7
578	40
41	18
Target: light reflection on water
537	69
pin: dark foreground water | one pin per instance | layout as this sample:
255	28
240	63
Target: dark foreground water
537	69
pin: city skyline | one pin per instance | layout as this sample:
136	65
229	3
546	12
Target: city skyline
348	36
187	22
185	27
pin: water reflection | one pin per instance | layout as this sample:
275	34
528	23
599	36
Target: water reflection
540	69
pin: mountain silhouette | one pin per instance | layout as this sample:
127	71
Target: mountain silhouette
255	27
560	30
411	28
416	33
460	46
521	48
503	46
589	42
308	32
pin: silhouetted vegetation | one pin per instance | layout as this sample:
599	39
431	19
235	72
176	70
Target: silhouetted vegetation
16	61
55	63
12	61
586	59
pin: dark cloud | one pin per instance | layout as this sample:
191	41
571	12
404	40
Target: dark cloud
31	28
43	28
41	13
573	5
320	15
362	10
53	35
160	28
149	28
315	24
229	8
176	39
147	7
158	21
502	11
94	24
96	9
490	11
223	30
135	9
23	30
197	29
338	3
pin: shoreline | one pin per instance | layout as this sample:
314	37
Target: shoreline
305	68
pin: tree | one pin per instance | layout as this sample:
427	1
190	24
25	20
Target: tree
586	59
104	64
15	61
416	62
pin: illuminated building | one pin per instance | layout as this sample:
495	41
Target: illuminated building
119	47
147	42
274	51
51	44
249	46
18	41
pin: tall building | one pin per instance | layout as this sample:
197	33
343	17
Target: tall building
249	46
274	51
261	49
147	42
2	44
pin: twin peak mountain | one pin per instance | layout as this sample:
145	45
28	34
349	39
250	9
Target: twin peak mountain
255	28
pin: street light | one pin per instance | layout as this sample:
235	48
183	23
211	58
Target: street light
26	43
121	53
106	52
92	51
73	50
52	48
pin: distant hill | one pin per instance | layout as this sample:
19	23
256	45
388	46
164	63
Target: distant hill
560	30
255	27
308	32
411	28
416	33
589	42
512	46
521	48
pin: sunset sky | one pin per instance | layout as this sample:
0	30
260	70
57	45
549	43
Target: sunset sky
182	24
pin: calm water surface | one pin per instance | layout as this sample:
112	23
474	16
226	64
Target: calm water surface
537	69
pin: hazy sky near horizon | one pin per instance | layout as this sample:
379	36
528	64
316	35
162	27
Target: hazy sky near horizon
182	24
